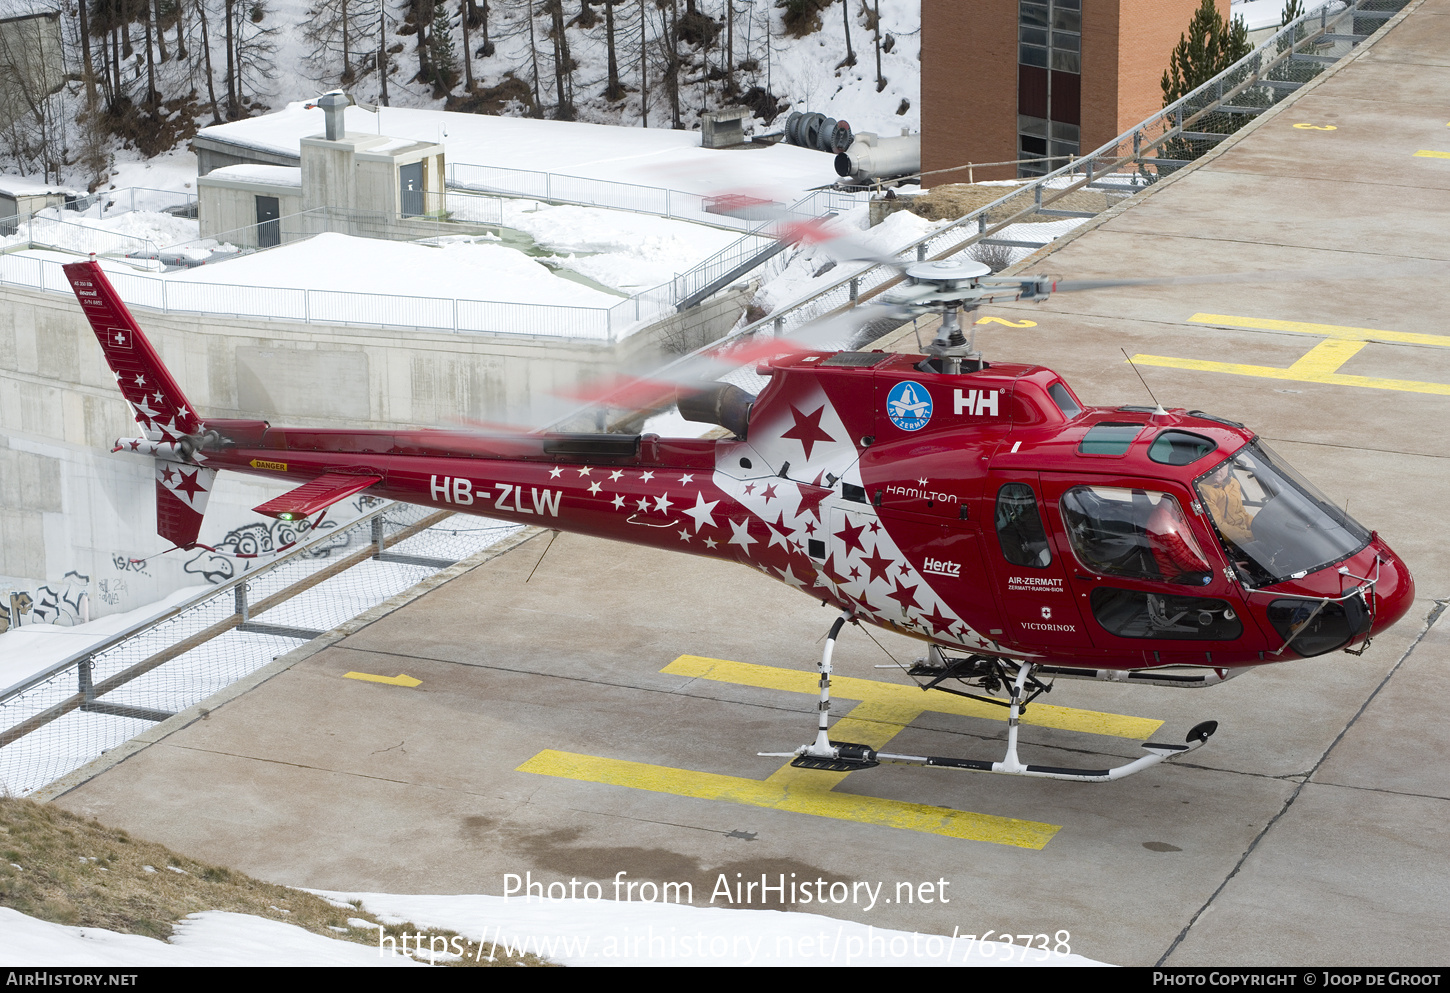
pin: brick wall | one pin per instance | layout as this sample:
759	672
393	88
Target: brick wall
969	76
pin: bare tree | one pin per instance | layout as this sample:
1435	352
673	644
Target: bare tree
612	90
563	63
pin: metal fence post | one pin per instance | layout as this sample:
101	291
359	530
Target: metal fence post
779	326
921	252
86	685
855	287
379	541
239	595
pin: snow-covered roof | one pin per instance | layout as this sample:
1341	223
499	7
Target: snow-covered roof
655	157
252	173
19	186
27	8
343	263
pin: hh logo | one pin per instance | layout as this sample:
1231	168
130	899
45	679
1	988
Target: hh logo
975	402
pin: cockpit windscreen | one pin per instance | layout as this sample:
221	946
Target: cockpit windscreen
1273	522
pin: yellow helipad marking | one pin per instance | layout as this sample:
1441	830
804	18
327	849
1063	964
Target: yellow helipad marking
1010	324
1306	126
1321	363
807	793
884	710
1426	153
401	679
909	698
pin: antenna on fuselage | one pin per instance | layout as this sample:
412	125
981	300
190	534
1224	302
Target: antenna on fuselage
1158	405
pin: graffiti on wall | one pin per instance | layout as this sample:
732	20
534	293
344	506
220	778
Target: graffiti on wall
244	547
66	603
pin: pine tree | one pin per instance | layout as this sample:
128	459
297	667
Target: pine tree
1210	46
442	56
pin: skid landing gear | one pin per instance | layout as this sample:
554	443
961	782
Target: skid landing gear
989	673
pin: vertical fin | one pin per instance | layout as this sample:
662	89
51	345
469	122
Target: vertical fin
181	495
160	407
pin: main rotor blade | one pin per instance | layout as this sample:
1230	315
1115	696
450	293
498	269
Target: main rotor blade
1392	271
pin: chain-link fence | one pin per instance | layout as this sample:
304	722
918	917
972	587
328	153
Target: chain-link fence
73	711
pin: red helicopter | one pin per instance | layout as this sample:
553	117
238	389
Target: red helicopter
978	507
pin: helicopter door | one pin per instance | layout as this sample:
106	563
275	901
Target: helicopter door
1030	569
1146	567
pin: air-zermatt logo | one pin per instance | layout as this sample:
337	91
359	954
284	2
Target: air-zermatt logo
909	406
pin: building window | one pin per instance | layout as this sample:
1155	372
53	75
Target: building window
1049	84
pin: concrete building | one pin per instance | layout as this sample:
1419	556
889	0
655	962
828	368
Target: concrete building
1003	80
32	62
340	176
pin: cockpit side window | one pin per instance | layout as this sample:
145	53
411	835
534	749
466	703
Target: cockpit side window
1136	534
1063	398
1019	527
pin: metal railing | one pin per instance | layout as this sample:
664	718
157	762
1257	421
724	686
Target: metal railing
72	711
583	191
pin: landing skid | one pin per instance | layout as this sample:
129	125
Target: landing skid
1019	679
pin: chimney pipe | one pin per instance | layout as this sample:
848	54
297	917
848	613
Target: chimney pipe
333	104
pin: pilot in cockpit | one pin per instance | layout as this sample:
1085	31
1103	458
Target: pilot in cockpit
1225	500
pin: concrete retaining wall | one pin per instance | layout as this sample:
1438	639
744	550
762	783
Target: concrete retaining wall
68	505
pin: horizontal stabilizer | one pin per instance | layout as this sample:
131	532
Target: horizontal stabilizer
320	493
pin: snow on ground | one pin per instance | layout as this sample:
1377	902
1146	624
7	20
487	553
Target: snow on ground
569	932
116	231
174	170
212	939
30	648
628	251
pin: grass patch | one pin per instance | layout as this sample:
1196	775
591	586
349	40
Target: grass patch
58	867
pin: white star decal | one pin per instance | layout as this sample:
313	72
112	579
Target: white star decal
643	504
615	475
594	487
646	477
711	543
701	512
792	579
684	536
742	535
584	470
687	478
157	396
140	380
143	411
554	473
618	502
663	503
